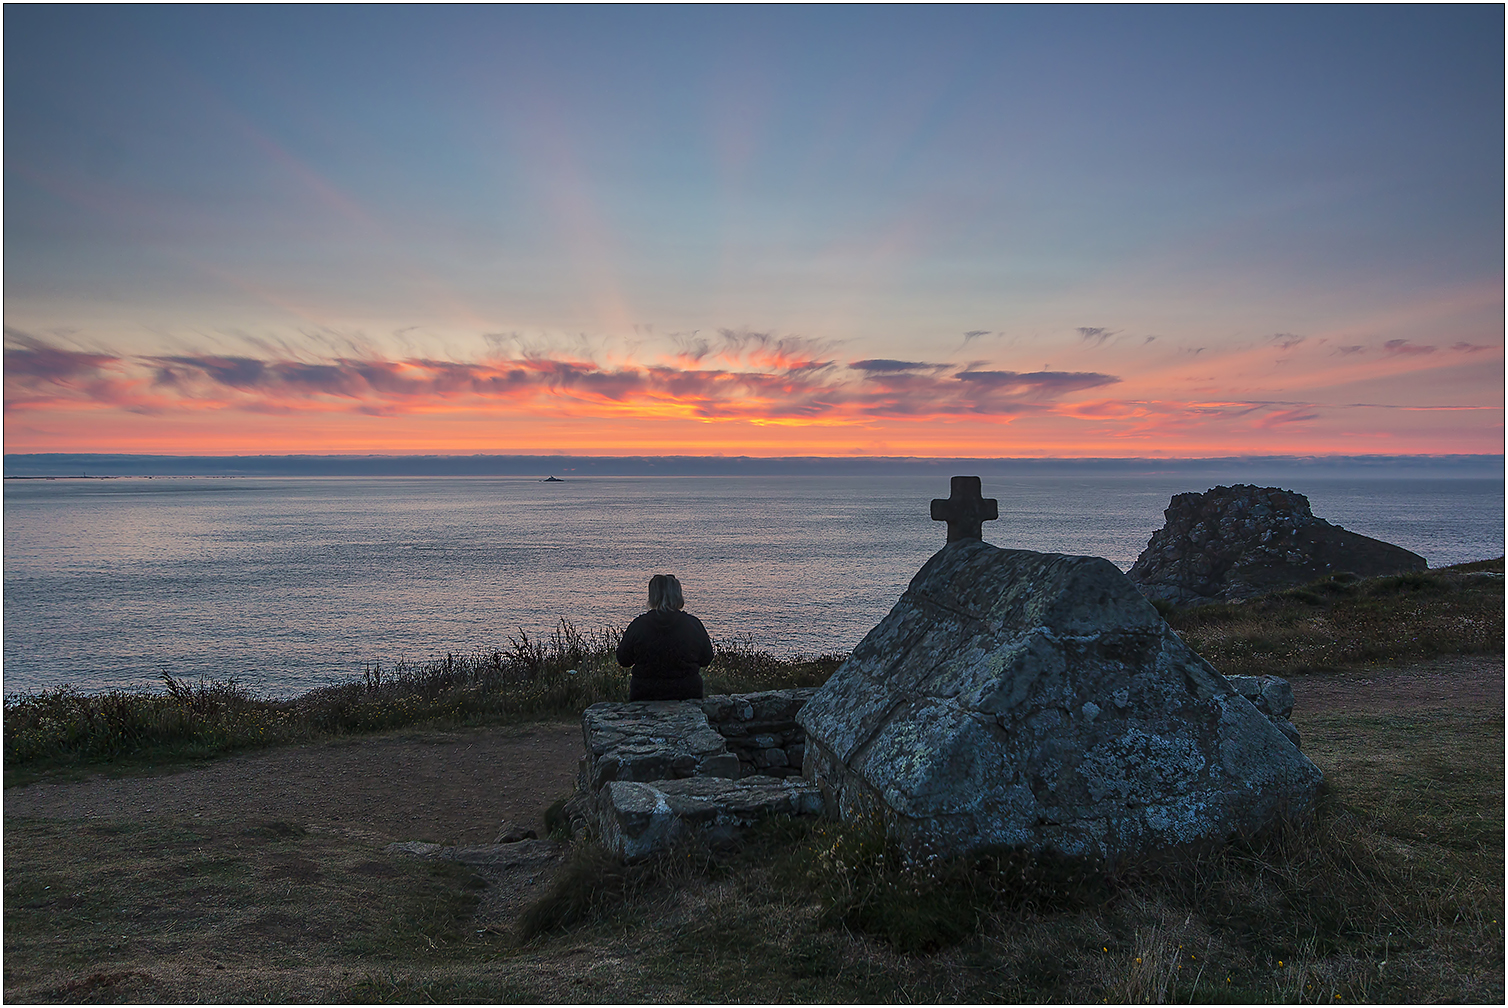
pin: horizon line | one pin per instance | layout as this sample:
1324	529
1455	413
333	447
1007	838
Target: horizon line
1227	468
1377	456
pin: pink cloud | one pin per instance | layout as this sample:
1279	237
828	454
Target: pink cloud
1403	346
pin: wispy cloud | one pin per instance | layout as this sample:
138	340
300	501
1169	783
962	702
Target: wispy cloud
37	358
1038	383
1403	346
1094	335
882	365
1286	340
1289	417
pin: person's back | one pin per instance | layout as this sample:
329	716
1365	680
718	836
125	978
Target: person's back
666	647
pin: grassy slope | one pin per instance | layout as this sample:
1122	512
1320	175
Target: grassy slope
1394	893
1338	623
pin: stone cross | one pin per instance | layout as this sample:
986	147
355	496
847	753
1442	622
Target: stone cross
966	510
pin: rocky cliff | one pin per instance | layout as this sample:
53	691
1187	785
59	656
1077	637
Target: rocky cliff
1238	541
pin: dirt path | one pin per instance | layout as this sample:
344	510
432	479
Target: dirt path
440	787
1457	681
455	787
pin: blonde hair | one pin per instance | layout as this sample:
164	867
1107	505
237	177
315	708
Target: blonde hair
665	593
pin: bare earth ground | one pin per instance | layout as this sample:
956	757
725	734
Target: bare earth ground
1458	681
439	787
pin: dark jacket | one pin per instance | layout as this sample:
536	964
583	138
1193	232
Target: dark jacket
665	649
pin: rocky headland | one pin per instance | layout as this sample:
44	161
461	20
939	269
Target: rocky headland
1240	541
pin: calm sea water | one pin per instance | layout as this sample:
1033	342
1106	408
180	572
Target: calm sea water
289	584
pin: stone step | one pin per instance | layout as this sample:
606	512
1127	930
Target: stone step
503	855
637	819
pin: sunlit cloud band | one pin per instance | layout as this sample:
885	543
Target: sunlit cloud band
741	377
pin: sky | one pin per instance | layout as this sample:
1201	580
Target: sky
963	231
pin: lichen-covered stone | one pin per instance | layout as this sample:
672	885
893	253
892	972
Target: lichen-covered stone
754	724
1038	700
637	819
1272	696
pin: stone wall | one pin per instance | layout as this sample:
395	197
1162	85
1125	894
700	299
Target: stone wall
650	742
761	730
637	819
655	773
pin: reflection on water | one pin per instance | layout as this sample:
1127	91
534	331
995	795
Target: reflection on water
287	584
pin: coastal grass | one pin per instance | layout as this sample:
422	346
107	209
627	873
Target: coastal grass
1344	622
1391	892
532	679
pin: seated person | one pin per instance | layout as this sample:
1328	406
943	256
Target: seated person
665	646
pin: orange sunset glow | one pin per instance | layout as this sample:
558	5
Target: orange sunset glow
752	394
1036	250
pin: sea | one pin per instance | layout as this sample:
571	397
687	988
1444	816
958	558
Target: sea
288	584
